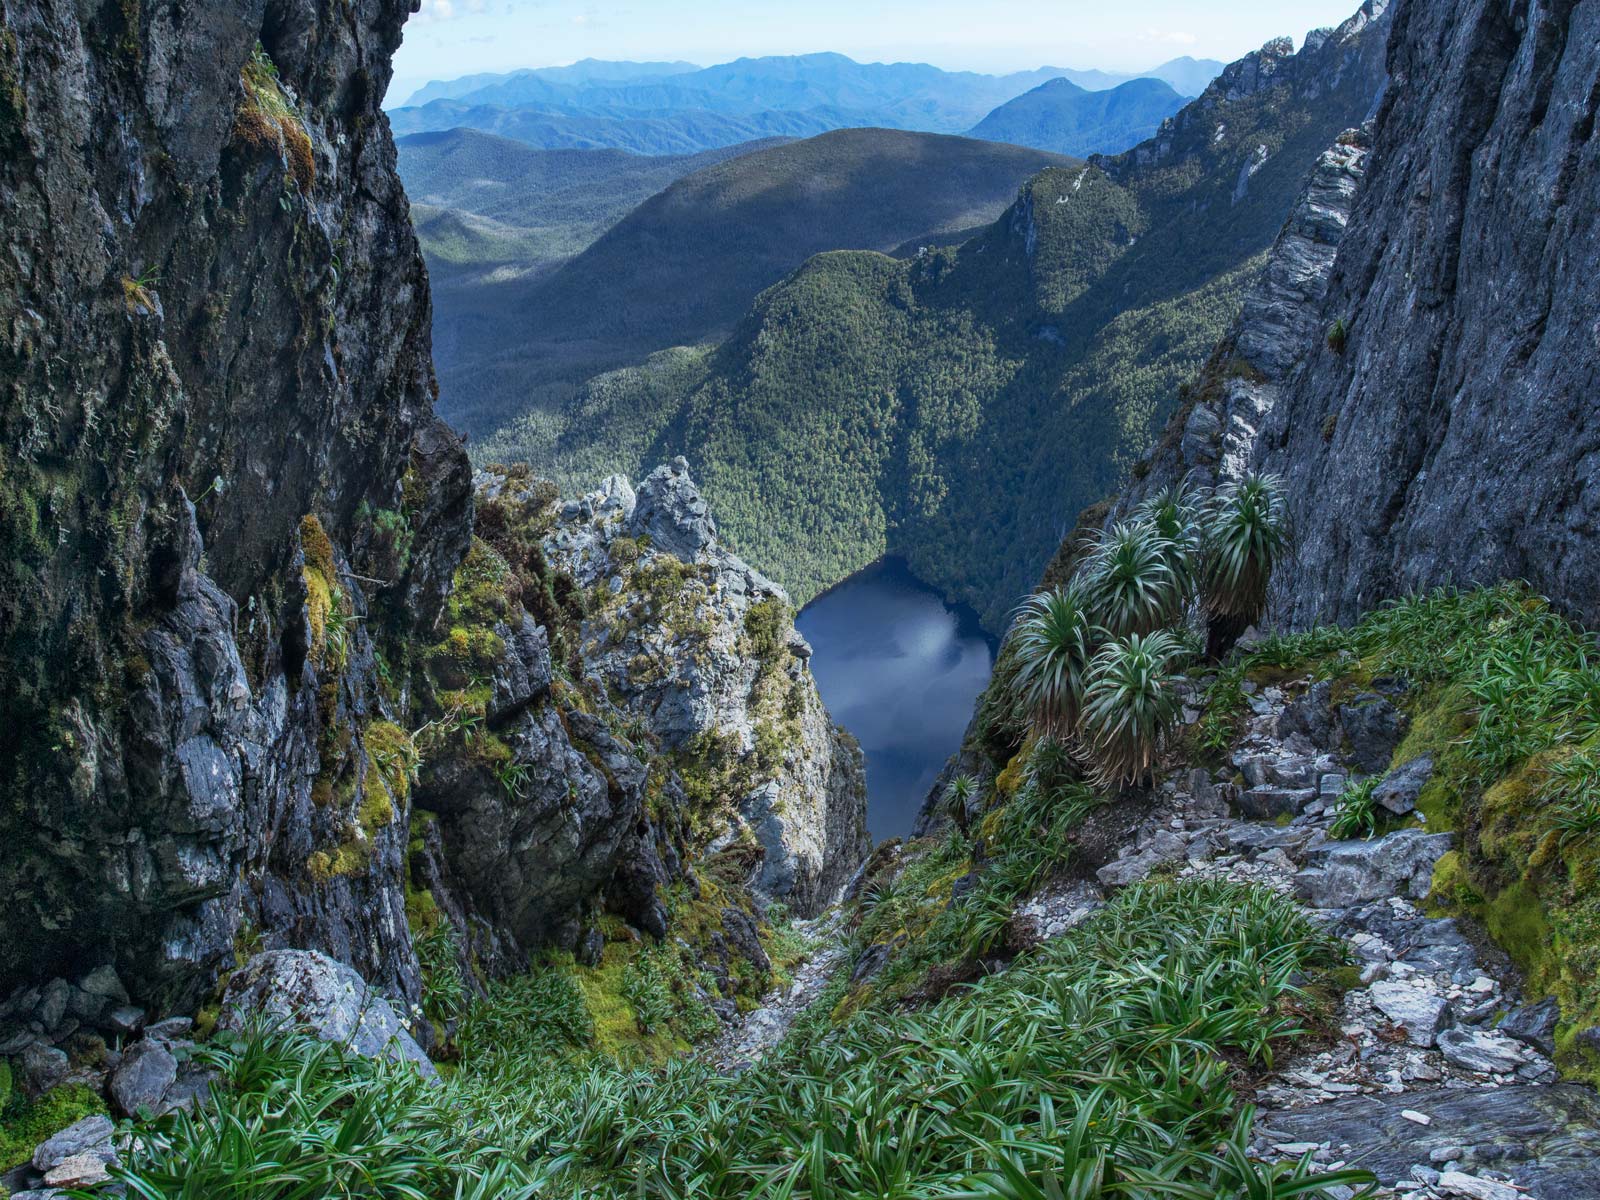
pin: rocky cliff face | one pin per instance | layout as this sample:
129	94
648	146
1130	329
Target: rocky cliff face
1455	435
215	396
1418	361
1212	438
274	680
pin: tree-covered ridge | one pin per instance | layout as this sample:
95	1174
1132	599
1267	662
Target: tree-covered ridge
869	406
685	265
957	408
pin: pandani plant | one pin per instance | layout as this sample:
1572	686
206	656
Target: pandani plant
1131	581
1246	533
1051	645
1130	706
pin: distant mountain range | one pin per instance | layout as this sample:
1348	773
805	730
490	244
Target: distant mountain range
658	108
1062	117
579	74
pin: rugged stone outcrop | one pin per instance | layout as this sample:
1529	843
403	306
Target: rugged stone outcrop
1549	1136
311	991
1452	435
215	400
1212	437
698	646
266	691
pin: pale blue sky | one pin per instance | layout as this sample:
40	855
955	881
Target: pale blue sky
448	38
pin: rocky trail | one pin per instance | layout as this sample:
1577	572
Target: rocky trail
1439	1078
744	1043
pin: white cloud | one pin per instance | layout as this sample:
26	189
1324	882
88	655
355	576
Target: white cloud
1166	37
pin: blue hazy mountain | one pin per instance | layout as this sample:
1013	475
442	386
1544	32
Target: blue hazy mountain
669	108
1064	118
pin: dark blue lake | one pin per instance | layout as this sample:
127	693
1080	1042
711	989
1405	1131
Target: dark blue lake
900	669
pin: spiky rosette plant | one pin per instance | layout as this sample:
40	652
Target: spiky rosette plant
1130	705
1175	515
1246	532
1050	650
957	797
1130	582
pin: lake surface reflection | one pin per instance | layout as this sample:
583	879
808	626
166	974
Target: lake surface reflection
900	669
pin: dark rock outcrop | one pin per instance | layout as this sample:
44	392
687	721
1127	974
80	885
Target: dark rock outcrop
216	406
1452	434
1545	1137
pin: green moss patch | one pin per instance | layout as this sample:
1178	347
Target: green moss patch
24	1123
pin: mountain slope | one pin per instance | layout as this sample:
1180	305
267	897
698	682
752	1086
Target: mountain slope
491	204
951	409
584	71
1064	118
684	265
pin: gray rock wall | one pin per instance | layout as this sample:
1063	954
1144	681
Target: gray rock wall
213	323
702	649
1457	437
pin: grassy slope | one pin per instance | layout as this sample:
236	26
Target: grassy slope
958	409
686	264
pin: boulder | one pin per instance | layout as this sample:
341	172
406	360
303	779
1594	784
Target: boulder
1488	1053
90	1136
52	1008
125	1019
81	1170
104	982
1475	1187
1164	847
1400	788
1268	802
1346	873
1373	728
1534	1025
1125	871
41	1067
1423	1014
142	1078
326	998
171	1029
1310	716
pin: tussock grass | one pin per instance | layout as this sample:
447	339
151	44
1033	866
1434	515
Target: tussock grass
1100	1067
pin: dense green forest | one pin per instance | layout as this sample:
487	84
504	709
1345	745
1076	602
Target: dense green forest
685	266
